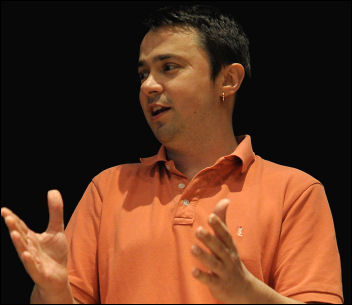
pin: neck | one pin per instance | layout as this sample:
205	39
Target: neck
197	154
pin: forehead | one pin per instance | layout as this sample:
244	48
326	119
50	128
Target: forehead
170	40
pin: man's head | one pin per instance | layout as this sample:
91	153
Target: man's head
220	36
188	58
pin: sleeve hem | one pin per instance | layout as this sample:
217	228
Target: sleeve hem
321	297
81	296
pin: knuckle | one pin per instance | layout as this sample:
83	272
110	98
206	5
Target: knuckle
207	237
220	248
217	264
14	236
8	220
213	280
234	256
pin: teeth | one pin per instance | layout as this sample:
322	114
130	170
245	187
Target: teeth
157	108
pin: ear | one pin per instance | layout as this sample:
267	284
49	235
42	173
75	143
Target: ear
233	77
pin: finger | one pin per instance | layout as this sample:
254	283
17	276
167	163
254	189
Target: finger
5	211
30	257
19	243
220	209
10	222
24	243
18	231
209	279
219	224
16	223
222	232
208	260
30	264
27	254
213	243
56	211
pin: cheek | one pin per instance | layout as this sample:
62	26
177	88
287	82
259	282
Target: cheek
143	101
140	97
185	91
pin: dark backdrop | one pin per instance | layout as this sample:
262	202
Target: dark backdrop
70	104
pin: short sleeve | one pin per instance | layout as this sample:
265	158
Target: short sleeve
82	234
307	265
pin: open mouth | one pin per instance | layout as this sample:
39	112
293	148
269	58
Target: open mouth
156	112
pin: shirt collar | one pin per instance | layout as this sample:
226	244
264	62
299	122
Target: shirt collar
243	151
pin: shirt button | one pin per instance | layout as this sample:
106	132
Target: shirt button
181	186
185	202
167	167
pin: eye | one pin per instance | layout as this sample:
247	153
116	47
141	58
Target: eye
143	75
169	67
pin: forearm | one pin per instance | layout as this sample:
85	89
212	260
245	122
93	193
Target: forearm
260	293
42	297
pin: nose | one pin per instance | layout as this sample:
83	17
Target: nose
150	87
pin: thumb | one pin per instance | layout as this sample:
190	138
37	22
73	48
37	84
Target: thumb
56	211
220	209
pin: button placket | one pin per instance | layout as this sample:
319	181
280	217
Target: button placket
185	208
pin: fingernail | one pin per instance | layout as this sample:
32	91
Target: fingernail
195	271
195	249
212	218
4	209
226	200
201	231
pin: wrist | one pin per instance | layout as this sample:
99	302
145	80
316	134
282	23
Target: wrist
55	295
57	283
260	293
250	289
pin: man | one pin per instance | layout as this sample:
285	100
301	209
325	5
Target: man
203	221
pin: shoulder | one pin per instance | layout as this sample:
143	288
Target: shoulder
273	171
116	176
118	170
127	170
289	183
286	182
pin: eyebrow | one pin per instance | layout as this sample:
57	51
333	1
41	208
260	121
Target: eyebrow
157	58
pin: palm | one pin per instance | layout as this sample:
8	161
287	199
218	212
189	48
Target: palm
53	246
50	255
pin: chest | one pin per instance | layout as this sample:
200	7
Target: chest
160	224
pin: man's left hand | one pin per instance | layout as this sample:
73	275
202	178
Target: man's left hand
228	279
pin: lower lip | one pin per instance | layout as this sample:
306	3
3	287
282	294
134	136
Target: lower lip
156	117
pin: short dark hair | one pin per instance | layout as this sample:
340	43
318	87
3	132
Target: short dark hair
221	37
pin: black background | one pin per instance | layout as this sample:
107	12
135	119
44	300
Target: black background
70	104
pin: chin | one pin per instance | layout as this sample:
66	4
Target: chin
164	134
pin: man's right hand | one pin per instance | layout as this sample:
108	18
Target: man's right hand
44	255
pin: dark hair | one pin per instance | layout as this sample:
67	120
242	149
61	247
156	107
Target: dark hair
222	38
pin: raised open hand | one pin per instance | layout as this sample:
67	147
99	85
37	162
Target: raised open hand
44	255
227	278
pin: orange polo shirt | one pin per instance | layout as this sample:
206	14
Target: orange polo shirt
130	235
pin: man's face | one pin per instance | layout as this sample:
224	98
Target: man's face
175	73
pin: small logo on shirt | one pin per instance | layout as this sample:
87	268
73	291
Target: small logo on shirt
239	231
